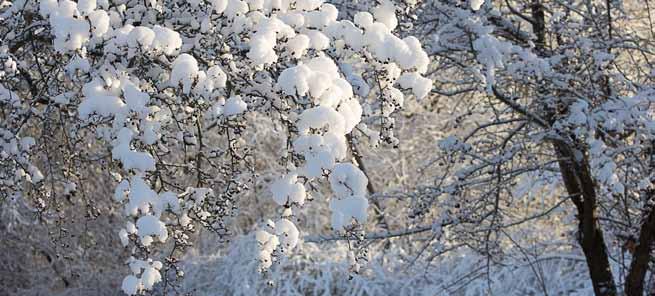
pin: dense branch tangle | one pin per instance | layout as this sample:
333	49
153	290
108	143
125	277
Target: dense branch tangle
562	92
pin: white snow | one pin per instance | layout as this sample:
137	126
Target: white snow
386	14
219	5
149	225
348	180
131	285
318	40
185	70
167	40
349	186
123	235
86	6
420	85
215	78
149	277
99	22
102	105
262	43
287	233
346	209
287	190
321	117
297	45
167	200
140	197
141	161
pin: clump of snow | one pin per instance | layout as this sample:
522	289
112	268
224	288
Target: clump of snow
363	19
349	186
167	200
386	14
280	236
325	16
308	5
185	70
348	180
131	159
131	285
317	39
318	77
297	45
268	243
219	5
158	40
100	22
36	175
318	155
106	101
150	276
166	40
85	7
321	117
321	150
102	105
287	190
346	209
215	78
145	274
491	53
420	85
149	226
123	235
70	32
287	233
264	40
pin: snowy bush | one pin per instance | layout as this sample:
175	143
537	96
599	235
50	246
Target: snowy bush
161	90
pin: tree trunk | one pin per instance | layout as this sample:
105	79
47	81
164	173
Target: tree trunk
580	186
634	282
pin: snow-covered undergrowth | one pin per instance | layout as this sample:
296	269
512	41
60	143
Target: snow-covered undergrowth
322	269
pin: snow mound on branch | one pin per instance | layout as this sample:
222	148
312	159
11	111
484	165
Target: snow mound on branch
145	274
343	210
287	190
420	85
185	70
148	226
349	186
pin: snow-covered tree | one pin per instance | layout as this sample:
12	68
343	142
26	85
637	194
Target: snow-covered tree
163	93
560	95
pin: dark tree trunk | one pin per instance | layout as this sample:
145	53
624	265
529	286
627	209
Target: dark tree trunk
581	187
634	282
